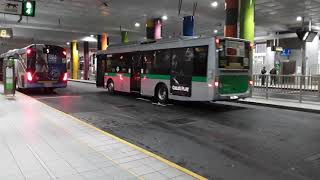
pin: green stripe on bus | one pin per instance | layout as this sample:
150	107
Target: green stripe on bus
167	77
158	76
110	74
116	74
199	79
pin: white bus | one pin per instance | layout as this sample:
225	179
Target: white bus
39	66
196	69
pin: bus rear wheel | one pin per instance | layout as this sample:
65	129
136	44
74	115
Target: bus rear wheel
161	94
110	87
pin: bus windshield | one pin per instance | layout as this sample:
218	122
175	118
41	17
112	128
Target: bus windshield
234	55
47	62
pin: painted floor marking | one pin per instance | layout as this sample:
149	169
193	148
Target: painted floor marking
169	163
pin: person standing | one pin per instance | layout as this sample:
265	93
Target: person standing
273	73
263	76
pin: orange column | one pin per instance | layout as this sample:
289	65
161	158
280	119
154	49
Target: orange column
231	24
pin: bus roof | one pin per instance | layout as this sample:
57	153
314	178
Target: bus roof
20	51
161	44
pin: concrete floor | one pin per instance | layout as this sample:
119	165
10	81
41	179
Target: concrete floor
220	141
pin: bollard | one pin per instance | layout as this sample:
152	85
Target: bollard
267	87
300	96
319	86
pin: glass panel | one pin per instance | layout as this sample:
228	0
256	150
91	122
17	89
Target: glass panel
234	55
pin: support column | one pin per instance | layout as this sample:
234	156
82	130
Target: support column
231	24
86	59
99	47
124	36
74	60
102	41
188	25
157	28
247	19
154	29
150	29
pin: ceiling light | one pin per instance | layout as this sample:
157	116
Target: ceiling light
164	17
68	43
91	35
215	31
89	39
214	4
299	18
305	36
137	24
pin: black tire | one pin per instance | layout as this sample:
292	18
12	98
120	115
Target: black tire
110	87
161	94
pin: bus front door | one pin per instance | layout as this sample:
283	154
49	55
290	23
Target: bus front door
135	73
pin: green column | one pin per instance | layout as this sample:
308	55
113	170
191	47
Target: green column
124	37
247	19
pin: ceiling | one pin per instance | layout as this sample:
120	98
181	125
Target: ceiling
60	21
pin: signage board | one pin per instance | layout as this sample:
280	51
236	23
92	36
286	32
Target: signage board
235	48
277	48
9	77
11	7
6	32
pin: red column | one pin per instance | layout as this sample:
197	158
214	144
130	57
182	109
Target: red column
86	59
231	24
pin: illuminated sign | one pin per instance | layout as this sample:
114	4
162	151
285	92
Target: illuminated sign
11	7
6	33
29	8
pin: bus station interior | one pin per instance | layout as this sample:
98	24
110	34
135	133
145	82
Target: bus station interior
160	89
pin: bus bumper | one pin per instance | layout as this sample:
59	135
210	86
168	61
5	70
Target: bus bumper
232	97
46	85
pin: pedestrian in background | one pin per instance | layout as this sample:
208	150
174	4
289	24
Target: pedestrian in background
263	76
273	73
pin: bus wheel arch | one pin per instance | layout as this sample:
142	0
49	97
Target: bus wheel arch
161	93
110	86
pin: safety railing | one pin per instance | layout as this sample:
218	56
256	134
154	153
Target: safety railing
287	86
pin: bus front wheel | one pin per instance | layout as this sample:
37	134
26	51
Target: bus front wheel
110	87
161	93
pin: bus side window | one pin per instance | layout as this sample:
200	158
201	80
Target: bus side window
200	61
148	59
162	62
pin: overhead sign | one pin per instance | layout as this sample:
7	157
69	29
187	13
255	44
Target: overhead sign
6	32
11	7
277	48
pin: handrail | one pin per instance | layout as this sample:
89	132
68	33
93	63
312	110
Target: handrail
297	86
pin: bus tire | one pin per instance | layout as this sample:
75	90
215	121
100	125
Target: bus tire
110	87
161	94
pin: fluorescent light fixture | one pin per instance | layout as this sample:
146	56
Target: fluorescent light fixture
89	39
214	4
305	36
137	24
164	17
299	18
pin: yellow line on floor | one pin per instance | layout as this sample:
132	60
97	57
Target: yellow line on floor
197	176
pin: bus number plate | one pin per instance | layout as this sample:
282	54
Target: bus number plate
52	58
234	97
